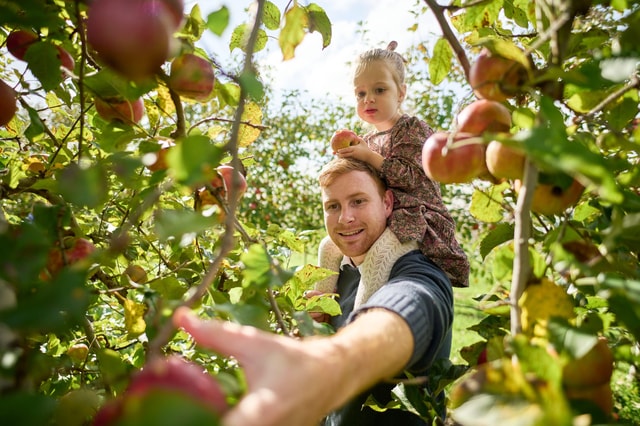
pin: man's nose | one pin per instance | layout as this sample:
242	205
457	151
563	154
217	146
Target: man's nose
346	215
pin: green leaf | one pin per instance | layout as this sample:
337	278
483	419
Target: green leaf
44	63
550	147
502	233
257	266
296	20
84	184
218	21
176	223
440	63
319	21
24	408
271	16
486	205
250	83
169	288
193	160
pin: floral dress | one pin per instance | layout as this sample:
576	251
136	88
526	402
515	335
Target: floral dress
419	212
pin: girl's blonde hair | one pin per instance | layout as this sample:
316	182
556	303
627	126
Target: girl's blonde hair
389	56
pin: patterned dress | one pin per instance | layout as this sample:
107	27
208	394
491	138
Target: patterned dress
418	211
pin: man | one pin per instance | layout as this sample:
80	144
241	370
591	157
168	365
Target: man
401	323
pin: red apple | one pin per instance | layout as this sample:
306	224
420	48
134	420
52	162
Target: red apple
133	37
159	160
19	41
551	199
192	77
458	163
222	182
75	250
78	352
168	375
66	60
496	78
599	395
117	109
504	162
176	7
343	138
8	103
484	115
592	369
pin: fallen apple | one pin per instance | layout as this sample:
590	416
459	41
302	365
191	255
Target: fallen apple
503	161
343	138
458	162
19	41
133	37
118	109
496	78
484	115
192	77
8	103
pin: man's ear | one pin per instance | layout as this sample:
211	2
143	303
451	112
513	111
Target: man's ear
388	202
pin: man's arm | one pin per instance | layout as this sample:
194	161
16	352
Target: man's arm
299	381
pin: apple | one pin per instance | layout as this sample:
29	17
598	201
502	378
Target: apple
192	77
78	352
457	163
503	161
551	199
136	273
496	78
593	368
600	395
19	41
484	115
222	182
176	7
8	103
66	60
164	375
117	109
75	250
343	138
133	37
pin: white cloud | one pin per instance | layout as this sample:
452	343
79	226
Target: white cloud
326	72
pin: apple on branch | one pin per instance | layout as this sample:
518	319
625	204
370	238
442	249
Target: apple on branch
552	198
118	109
75	250
133	37
162	377
457	161
18	42
504	161
482	116
343	138
8	103
496	78
192	77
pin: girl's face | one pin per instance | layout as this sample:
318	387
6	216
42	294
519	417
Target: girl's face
378	96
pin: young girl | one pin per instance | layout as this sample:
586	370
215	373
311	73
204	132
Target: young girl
395	150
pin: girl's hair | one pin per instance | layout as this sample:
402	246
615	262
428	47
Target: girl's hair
394	60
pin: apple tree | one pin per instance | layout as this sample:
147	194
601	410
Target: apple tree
126	154
558	201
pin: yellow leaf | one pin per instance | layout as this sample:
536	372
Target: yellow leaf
541	301
247	133
134	317
291	36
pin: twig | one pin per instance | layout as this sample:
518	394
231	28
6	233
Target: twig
447	33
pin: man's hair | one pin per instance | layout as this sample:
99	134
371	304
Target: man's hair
341	166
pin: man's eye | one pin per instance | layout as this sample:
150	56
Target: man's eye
359	201
330	207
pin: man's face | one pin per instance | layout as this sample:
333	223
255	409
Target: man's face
355	214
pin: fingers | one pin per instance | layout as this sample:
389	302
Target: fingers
225	338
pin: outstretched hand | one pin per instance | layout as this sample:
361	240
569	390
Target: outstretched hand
287	378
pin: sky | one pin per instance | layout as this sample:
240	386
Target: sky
326	72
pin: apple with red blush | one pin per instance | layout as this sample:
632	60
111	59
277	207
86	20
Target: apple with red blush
192	77
343	138
453	157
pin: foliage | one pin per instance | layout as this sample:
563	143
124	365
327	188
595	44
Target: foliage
68	173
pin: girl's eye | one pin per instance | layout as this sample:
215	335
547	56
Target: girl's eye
360	95
380	90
